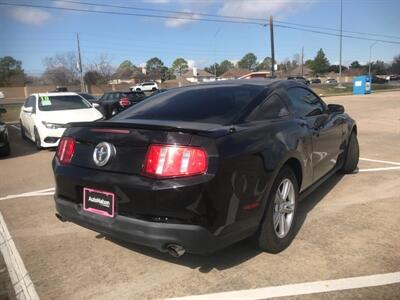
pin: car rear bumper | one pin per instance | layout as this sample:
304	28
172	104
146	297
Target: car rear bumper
194	238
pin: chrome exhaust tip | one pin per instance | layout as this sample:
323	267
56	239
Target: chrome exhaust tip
175	250
61	218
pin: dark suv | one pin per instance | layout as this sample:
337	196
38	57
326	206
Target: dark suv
112	103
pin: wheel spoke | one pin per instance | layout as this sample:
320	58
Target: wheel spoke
276	219
285	190
289	208
282	224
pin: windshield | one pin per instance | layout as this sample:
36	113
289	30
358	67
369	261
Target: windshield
210	104
60	102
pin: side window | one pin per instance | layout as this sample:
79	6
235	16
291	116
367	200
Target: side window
271	108
305	102
30	101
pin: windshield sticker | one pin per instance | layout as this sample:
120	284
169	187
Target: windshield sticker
45	100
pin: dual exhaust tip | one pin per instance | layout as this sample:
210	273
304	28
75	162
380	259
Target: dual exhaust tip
172	249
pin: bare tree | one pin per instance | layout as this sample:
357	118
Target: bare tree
102	66
62	69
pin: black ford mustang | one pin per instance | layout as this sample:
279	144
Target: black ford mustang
200	167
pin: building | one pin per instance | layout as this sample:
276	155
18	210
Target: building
197	75
259	74
234	74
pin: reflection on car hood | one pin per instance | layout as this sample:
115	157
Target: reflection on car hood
73	115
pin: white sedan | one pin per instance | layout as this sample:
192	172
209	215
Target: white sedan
44	116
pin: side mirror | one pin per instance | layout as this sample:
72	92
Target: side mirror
336	108
95	105
3	110
28	110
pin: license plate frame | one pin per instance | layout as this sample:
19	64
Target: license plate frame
98	204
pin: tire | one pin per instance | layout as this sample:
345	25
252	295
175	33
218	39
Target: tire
138	90
23	134
6	150
276	238
352	155
38	143
153	89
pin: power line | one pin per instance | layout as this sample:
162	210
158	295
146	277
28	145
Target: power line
194	19
130	14
220	16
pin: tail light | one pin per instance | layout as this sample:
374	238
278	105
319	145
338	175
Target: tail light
65	150
124	102
168	161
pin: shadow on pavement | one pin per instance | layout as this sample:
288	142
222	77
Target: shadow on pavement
240	252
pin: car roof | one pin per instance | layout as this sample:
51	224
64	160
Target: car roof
267	83
55	94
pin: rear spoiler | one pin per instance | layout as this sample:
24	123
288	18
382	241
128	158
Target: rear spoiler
187	127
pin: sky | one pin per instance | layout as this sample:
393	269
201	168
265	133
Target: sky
32	34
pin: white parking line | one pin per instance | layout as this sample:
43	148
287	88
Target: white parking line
44	192
20	279
377	169
381	161
303	288
16	127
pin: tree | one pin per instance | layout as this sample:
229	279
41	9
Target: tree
266	64
395	67
224	66
320	64
355	65
92	78
179	66
102	66
11	71
378	68
249	61
155	68
335	68
64	66
126	64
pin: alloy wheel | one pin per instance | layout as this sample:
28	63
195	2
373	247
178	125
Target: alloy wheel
283	213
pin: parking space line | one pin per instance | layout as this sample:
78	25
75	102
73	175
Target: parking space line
20	279
38	193
303	288
381	161
16	127
378	169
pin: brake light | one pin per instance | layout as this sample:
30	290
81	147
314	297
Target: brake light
167	161
124	102
65	150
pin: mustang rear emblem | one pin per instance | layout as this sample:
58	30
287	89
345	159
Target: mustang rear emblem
103	153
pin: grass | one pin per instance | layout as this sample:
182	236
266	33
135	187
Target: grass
330	90
12	114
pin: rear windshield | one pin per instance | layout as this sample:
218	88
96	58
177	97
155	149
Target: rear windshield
59	102
209	104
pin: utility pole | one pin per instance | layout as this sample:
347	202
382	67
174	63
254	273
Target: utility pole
80	63
370	52
340	56
302	60
271	30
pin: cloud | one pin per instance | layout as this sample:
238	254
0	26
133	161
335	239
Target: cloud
175	23
262	8
29	15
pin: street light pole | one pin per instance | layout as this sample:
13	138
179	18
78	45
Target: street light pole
370	51
340	55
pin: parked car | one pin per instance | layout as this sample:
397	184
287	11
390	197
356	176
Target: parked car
2	96
376	79
4	139
299	79
145	87
45	116
88	97
393	77
200	167
315	81
112	103
331	81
